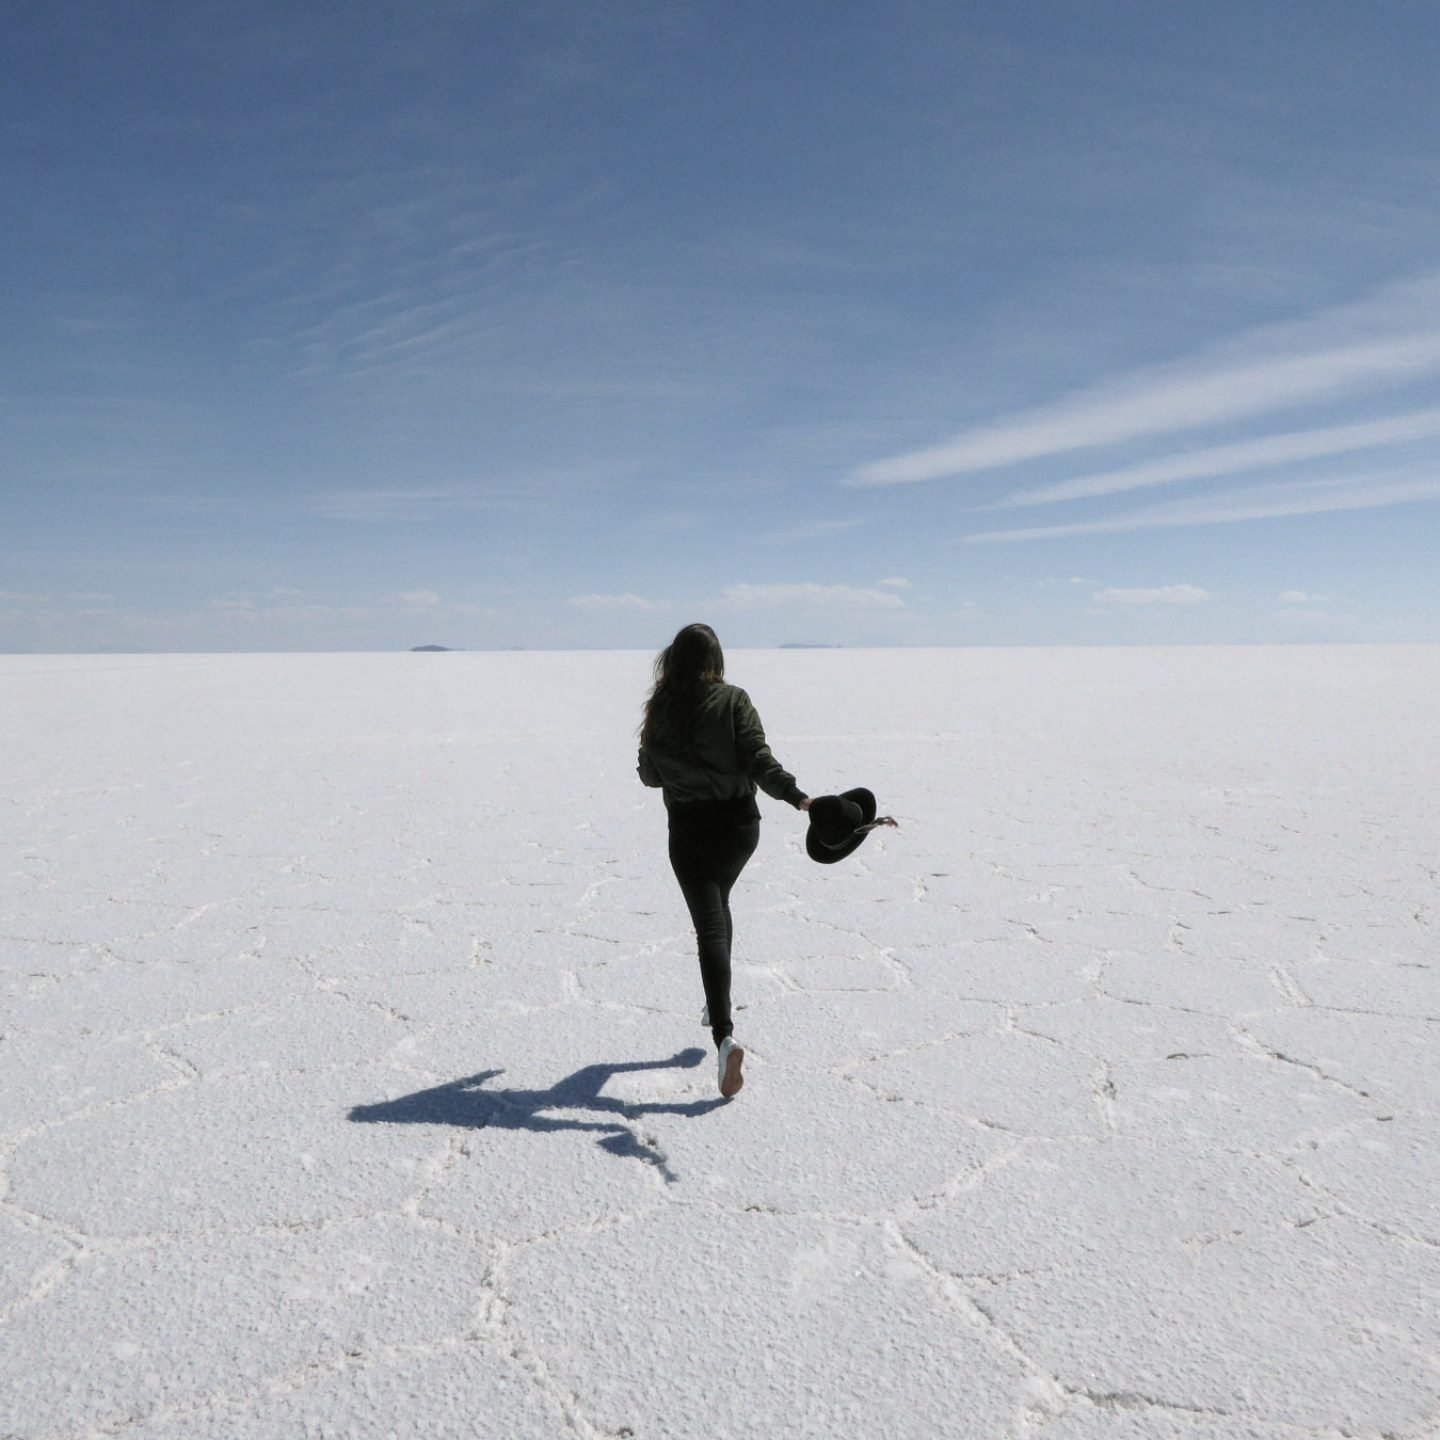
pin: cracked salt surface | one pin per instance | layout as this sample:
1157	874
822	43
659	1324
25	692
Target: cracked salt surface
351	1080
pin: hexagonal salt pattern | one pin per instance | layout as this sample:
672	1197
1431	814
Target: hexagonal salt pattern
351	1079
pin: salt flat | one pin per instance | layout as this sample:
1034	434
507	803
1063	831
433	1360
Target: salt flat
351	1082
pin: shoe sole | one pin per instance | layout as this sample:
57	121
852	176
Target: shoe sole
732	1081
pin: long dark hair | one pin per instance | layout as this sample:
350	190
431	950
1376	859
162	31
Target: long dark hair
687	667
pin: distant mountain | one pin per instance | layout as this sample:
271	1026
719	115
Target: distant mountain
809	645
428	649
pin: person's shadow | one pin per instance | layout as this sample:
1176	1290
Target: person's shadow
468	1104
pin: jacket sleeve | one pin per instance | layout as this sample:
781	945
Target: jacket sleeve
645	768
762	767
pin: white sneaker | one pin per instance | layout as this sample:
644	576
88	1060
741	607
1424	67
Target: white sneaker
732	1057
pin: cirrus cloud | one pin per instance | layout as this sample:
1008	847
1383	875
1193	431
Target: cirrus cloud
808	596
1154	595
1390	338
1243	457
627	601
1258	502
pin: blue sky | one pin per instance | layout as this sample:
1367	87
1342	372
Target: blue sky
563	324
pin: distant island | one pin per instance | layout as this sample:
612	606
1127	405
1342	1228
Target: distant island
809	645
428	649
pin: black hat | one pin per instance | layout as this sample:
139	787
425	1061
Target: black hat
838	824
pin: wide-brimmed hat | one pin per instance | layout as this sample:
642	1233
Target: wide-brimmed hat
840	823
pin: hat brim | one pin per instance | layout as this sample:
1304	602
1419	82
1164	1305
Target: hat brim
824	854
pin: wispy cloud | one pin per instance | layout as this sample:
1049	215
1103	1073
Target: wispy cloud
1300	597
623	602
381	505
1218	460
283	604
1156	595
1261	502
808	597
507	492
242	609
1388	339
811	530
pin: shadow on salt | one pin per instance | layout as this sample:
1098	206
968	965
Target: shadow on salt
467	1104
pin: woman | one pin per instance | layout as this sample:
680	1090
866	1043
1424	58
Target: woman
703	745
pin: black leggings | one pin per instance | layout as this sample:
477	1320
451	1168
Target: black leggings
707	855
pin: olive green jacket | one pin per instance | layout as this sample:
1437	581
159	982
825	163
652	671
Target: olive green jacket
724	756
